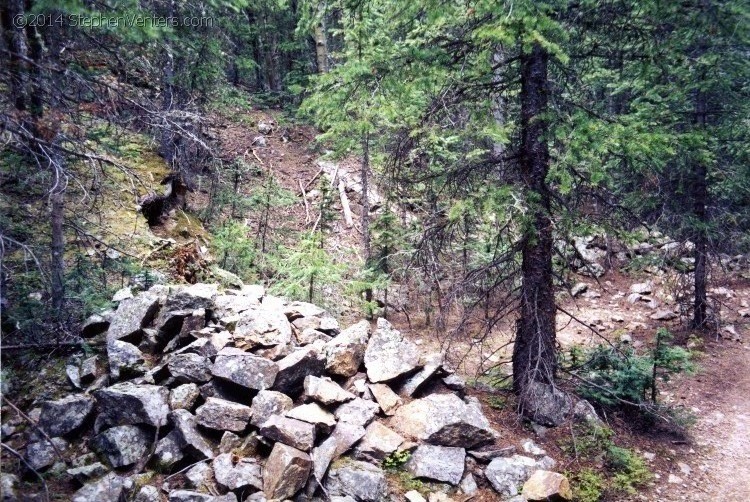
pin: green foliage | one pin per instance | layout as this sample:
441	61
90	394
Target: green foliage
587	485
630	470
234	250
396	460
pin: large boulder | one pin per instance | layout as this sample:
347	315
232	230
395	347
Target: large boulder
191	298
547	486
388	400
344	436
346	352
545	404
130	404
507	474
268	403
294	368
444	419
66	415
42	454
237	473
439	463
96	324
357	411
378	443
125	360
430	365
245	369
313	413
388	354
223	415
132	315
194	442
325	391
184	396
123	445
286	472
362	481
189	367
262	326
296	433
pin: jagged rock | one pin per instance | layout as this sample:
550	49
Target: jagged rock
148	493
200	475
414	496
643	288
231	305
123	445
325	391
289	431
74	375
388	400
237	474
440	463
455	382
8	486
294	368
468	485
169	450
223	415
378	443
187	367
87	472
41	454
346	352
286	472
195	443
89	370
360	480
184	396
578	289
193	297
66	415
357	411
122	294
344	436
549	486
95	325
130	404
109	488
313	413
125	360
430	365
268	403
663	315
487	455
444	419
191	496
506	475
309	335
245	369
262	327
388	354
132	314
545	404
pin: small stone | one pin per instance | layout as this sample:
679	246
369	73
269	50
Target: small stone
187	368
388	354
345	353
506	475
344	436
414	496
360	480
42	454
245	369
191	496
233	473
268	403
109	488
545	486
123	445
325	391
148	493
89	370
313	413
125	360
439	463
200	475
185	425
358	411
578	288
388	400
289	431
378	443
169	450
87	472
223	415
184	396
455	382
468	485
65	416
286	472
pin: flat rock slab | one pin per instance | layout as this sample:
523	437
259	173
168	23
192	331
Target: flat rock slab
188	367
388	400
222	415
357	411
296	433
344	436
130	404
268	403
106	489
388	354
378	443
245	369
286	472
294	368
195	444
444	419
262	326
313	413
325	391
360	480
132	314
66	415
439	463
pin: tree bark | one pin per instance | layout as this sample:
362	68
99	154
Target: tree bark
365	175
700	198
57	213
15	41
321	42
534	350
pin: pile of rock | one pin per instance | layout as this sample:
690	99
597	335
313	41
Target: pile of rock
239	395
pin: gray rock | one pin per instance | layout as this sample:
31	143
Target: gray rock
148	493
289	431
487	455
193	297
378	443
191	496
89	370
169	450
130	404
388	400
642	288
74	375
545	404
313	413
66	415
268	403
95	325
663	315
200	475
123	445
388	354
245	369
307	361
545	486
223	415
125	360
325	391
310	335
8	486
286	472
262	326
468	485
344	436
233	474
41	454
439	463
346	352
87	472
132	314
184	396
444	419
357	411
194	442
455	382
360	480
430	365
578	289
507	475
187	367
109	488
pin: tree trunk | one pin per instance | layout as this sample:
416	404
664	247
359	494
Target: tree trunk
15	41
321	43
57	210
365	175
700	198
534	349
